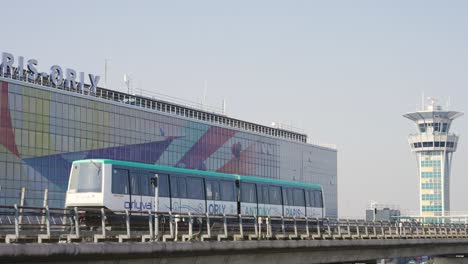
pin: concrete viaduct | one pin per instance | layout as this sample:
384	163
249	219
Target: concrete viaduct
236	252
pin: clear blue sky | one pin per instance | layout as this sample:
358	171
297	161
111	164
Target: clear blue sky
345	71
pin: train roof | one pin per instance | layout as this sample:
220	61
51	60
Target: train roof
282	182
205	173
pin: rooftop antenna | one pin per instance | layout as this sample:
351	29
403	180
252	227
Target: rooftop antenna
423	100
204	94
127	82
224	106
105	73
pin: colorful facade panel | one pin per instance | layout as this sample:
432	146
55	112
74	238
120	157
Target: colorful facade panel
43	131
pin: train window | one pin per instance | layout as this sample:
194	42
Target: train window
120	181
145	185
163	185
260	195
135	183
209	191
298	196
318	199
248	193
285	196
212	190
227	191
174	189
275	194
307	200
311	198
182	184
265	195
288	196
195	188
86	177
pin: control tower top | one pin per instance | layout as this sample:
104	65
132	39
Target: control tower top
433	113
433	125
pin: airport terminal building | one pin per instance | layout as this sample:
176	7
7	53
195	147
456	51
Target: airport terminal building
49	120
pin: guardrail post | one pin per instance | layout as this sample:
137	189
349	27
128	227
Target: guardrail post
103	227
11	237
239	236
48	220
150	224
208	229
268	224
255	227
127	223
171	229
156	226
307	234
225	234
46	191
17	221
259	222
77	226
283	230
188	237
295	229
23	192
77	222
190	225
40	237
103	222
150	237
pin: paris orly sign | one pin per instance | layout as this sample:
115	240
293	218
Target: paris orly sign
27	70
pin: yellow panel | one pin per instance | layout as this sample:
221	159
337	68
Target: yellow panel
426	203
425	180
427	169
427	191
427	213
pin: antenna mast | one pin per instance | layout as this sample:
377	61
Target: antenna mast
204	94
105	73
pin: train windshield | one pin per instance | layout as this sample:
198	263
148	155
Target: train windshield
86	177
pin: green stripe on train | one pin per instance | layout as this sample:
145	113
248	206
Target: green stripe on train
199	172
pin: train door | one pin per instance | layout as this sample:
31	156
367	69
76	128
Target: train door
319	202
176	183
135	192
248	198
212	195
294	202
121	196
228	202
276	206
314	209
146	191
164	200
263	200
195	201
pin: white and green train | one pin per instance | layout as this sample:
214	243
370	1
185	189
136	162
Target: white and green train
119	185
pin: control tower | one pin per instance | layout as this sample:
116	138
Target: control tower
434	146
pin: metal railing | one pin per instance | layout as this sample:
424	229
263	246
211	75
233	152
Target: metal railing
154	103
38	224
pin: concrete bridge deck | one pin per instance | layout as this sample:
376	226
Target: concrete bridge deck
233	252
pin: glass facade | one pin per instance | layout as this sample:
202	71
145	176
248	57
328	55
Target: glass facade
431	183
43	130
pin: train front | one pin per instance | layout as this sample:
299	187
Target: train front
85	187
